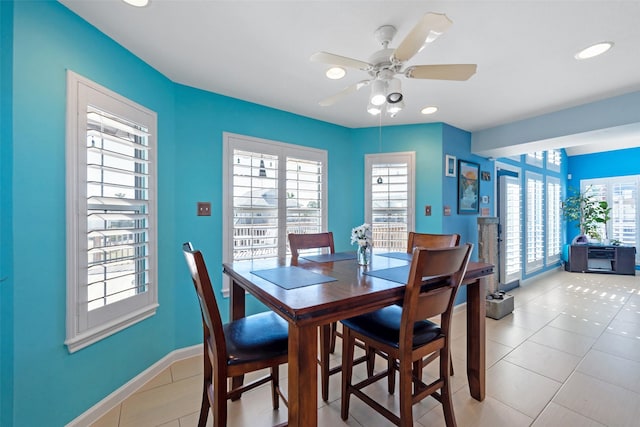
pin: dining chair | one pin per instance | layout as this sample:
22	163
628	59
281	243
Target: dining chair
328	333
406	338
426	240
429	240
234	349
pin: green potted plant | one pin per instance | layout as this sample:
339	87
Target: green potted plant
589	214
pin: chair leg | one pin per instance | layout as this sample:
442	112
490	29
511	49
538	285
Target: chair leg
445	392
348	343
204	408
334	334
218	397
391	375
275	384
325	347
406	397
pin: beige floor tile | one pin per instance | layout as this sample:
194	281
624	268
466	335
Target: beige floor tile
547	361
508	335
520	388
595	399
110	419
469	412
555	415
163	378
579	325
172	423
624	328
527	319
162	404
612	369
629	313
562	340
619	345
187	368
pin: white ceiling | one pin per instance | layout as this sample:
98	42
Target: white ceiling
259	51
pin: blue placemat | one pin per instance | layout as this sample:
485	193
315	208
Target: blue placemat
394	274
340	256
398	255
292	277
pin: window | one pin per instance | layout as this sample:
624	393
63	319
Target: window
111	213
535	222
535	159
554	160
270	183
389	199
622	195
554	220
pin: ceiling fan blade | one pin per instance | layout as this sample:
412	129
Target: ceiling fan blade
332	59
344	92
426	30
441	72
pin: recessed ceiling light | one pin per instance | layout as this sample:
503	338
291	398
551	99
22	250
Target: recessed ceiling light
594	50
137	3
335	73
429	110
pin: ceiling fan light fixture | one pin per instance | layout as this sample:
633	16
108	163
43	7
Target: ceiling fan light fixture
336	73
393	109
429	110
378	93
137	3
374	110
394	91
593	50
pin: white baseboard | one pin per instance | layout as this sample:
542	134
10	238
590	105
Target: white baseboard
114	399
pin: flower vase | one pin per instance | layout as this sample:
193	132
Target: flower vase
364	255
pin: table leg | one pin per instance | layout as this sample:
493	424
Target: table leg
237	311
476	363
303	376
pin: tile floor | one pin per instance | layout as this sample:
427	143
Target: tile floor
569	355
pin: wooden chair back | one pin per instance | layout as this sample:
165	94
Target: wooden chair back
211	320
434	279
426	240
298	242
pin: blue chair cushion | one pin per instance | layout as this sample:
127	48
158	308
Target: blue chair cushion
256	337
384	326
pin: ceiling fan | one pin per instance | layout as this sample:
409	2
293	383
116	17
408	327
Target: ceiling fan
386	63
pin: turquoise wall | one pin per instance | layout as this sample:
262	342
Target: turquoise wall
601	165
40	41
6	261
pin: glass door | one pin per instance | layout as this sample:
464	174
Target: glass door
509	229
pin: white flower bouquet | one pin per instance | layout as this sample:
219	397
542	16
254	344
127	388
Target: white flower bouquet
362	236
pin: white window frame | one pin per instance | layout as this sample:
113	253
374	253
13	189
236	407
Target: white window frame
408	157
553	219
535	158
283	151
83	326
537	219
554	160
609	182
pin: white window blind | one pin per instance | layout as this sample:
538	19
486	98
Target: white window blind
534	221
111	212
271	189
390	199
511	233
622	195
535	158
554	160
554	220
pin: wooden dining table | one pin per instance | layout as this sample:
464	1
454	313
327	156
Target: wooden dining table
314	292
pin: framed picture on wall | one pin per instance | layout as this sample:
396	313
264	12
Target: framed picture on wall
449	165
468	187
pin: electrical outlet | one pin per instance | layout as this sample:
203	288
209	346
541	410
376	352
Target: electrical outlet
427	210
204	208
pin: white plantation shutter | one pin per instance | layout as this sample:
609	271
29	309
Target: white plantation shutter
389	199
534	221
554	220
269	184
111	249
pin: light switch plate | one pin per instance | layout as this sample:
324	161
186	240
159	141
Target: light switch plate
204	208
